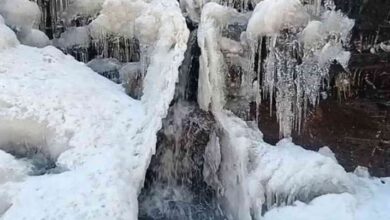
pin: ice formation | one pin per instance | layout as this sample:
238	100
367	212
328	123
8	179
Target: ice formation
269	176
271	17
82	7
253	173
301	50
20	15
23	17
211	88
74	37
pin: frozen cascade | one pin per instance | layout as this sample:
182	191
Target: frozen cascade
210	161
174	187
247	178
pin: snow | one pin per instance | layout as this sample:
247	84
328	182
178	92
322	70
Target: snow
74	37
8	38
271	175
271	16
117	17
371	201
11	169
34	38
23	16
100	138
327	152
20	14
84	7
76	111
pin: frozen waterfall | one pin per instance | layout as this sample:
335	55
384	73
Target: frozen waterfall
149	109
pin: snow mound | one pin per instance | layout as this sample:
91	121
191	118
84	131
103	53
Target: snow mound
7	37
271	16
20	14
371	201
34	38
84	8
74	37
117	17
23	16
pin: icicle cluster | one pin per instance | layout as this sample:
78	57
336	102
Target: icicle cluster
300	52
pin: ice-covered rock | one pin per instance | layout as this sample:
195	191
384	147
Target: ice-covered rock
83	8
327	152
255	174
34	38
272	16
21	15
107	67
74	37
371	201
132	78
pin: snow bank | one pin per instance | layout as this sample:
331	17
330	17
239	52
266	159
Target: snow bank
7	37
103	139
